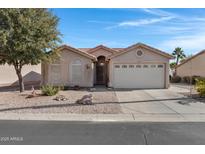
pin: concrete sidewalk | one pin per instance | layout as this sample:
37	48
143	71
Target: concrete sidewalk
148	105
106	117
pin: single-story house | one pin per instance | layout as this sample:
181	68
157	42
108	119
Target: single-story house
137	66
193	66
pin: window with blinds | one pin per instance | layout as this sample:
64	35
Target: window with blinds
55	74
76	67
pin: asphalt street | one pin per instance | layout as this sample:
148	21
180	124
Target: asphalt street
100	133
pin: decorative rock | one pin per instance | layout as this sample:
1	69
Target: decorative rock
92	89
109	88
30	96
85	100
60	98
33	93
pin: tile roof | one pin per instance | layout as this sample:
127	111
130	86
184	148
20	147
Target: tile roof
84	49
118	51
78	51
87	49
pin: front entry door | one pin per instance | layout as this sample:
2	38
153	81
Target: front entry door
101	71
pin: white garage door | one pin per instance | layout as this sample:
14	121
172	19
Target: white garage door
139	76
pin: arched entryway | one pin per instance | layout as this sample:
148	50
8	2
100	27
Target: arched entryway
101	71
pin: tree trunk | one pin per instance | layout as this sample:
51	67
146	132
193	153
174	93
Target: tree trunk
177	60
175	70
20	78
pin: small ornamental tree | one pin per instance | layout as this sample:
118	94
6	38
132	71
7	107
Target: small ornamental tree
27	36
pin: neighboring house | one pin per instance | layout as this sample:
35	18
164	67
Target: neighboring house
31	75
193	66
137	66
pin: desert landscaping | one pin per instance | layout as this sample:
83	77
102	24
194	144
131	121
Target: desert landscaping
103	102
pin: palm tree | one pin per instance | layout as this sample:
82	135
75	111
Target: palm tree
172	65
178	53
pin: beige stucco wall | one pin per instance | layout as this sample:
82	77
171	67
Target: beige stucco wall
101	52
31	73
195	66
64	65
131	57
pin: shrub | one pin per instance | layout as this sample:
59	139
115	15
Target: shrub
62	87
49	90
194	79
188	79
200	86
176	79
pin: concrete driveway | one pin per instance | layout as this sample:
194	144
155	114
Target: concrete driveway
172	101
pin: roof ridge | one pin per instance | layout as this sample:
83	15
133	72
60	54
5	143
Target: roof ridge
101	46
143	45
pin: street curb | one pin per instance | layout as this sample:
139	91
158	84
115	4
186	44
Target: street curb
105	117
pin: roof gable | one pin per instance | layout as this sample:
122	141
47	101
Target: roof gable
85	54
87	49
192	57
143	46
92	50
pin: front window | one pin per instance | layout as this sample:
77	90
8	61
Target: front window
145	66
138	66
131	66
117	66
124	66
76	72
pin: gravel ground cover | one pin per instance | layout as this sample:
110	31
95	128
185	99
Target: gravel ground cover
104	102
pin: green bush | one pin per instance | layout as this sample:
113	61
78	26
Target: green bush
176	79
200	86
49	90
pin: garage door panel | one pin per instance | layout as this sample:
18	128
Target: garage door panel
139	76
